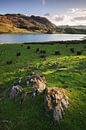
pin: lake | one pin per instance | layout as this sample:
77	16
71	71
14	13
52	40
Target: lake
22	38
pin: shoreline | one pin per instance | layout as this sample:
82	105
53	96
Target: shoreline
52	42
58	42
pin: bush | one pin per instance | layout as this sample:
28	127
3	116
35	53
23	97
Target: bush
28	47
79	52
22	45
57	53
72	50
37	50
9	62
18	54
42	52
42	56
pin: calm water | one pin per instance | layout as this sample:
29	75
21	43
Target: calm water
21	38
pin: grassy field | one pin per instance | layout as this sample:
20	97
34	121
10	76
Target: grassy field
64	65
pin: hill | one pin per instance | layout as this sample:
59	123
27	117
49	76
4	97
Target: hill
18	23
72	29
75	30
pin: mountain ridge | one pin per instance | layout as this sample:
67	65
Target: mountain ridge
15	23
20	23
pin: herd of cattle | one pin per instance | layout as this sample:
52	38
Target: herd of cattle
55	99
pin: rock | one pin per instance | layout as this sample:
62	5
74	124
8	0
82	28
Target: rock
57	101
57	113
38	82
16	89
64	103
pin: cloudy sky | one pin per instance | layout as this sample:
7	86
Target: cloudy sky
60	12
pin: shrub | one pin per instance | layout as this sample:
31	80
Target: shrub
42	52
37	50
79	52
42	56
9	62
72	50
22	45
57	53
28	47
18	54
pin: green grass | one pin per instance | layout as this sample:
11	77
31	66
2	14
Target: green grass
67	70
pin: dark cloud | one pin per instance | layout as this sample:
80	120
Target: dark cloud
47	14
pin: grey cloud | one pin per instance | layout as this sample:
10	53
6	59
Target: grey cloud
77	10
58	18
47	14
81	18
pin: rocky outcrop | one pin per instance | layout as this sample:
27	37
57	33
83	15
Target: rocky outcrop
56	102
38	82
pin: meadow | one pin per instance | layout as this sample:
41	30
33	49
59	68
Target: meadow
64	65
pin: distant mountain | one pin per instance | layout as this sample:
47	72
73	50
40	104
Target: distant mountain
19	23
73	29
79	27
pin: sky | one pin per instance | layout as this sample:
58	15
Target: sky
60	12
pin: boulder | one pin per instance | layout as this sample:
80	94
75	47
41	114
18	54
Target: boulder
38	82
57	101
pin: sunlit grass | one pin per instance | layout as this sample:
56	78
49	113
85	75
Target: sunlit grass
67	70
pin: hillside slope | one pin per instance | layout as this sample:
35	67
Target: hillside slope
14	23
